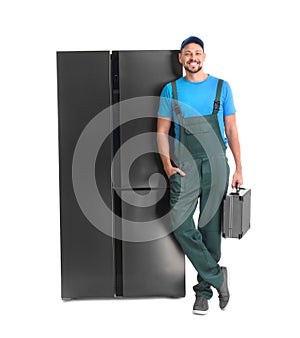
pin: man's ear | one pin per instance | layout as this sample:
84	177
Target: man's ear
179	58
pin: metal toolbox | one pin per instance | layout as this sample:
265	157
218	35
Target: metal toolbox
236	213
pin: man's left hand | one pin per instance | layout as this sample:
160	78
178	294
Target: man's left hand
237	179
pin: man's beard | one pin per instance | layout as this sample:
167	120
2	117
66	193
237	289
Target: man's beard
193	71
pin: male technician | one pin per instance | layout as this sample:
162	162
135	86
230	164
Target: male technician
203	112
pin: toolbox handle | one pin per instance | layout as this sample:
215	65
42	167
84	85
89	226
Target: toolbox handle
237	189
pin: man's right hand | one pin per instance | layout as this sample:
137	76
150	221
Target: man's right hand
173	170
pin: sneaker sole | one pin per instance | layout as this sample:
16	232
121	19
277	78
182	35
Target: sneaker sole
199	312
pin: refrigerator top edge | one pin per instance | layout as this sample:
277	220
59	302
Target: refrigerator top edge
146	50
114	51
81	51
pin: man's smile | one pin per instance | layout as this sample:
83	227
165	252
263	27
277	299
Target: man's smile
193	63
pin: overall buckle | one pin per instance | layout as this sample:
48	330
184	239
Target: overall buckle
216	105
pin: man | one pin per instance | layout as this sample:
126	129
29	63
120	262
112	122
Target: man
202	109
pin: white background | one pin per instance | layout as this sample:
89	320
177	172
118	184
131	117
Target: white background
255	46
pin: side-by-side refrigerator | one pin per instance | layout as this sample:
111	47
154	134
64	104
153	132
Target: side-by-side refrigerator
116	238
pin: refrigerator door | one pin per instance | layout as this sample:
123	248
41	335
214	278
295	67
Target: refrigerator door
142	76
153	262
87	266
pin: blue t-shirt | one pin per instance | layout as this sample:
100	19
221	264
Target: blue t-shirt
196	98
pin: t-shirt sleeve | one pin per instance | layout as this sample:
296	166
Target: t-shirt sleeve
165	104
228	104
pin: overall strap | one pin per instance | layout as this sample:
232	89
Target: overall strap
175	97
218	97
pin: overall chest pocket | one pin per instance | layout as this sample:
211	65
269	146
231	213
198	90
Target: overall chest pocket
196	131
196	125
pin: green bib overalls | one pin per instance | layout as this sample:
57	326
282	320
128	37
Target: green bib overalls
201	155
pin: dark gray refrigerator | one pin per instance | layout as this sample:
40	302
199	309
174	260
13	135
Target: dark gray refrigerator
116	240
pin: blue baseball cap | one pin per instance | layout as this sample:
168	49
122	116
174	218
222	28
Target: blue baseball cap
192	39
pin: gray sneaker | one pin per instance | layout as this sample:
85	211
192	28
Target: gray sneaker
200	306
223	290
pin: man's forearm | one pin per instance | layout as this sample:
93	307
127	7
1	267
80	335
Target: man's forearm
234	145
164	149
